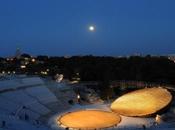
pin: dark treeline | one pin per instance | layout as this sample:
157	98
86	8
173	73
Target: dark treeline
92	68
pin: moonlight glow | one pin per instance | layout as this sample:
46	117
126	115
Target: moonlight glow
91	28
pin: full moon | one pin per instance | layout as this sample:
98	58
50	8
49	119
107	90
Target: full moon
91	28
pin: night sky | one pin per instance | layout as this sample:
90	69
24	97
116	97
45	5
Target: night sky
60	27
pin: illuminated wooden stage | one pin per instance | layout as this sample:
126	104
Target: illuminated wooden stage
89	119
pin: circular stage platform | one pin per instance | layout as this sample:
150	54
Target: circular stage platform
89	119
142	102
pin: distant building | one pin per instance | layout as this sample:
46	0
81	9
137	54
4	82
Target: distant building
59	77
18	53
171	57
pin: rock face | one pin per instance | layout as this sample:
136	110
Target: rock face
89	119
142	102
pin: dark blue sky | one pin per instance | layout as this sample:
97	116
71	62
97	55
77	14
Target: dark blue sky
60	27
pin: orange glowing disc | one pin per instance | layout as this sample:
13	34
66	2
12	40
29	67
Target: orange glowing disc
89	119
142	102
